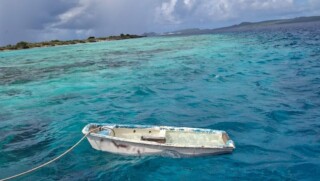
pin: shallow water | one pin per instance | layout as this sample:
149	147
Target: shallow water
263	88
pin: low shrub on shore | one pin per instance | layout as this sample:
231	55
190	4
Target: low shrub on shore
26	45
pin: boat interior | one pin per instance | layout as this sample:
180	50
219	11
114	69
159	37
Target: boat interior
168	137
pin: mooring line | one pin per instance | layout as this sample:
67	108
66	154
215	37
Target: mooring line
47	163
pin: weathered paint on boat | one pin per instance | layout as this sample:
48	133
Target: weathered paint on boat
180	141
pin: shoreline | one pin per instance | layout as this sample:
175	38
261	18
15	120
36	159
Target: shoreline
26	45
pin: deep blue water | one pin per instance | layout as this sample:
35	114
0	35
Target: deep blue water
263	88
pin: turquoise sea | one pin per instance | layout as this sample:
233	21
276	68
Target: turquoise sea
263	88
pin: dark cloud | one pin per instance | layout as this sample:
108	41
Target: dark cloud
24	20
38	20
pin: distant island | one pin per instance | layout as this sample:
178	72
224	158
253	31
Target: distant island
248	26
91	39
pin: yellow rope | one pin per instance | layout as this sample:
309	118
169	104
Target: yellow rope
47	163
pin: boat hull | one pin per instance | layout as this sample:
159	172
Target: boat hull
138	149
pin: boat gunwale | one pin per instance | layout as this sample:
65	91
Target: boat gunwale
225	146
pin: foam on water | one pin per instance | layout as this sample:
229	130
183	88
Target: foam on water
260	87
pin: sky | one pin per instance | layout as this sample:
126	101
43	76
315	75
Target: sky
42	20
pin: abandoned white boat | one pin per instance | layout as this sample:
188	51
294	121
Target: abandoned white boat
162	140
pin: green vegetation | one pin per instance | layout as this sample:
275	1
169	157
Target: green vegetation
22	45
91	39
25	45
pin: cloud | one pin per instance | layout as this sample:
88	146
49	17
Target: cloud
106	17
38	20
73	14
180	11
165	12
27	20
189	3
315	6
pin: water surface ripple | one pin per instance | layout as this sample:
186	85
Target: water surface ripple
263	88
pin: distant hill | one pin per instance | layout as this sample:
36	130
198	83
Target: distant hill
149	34
185	31
246	26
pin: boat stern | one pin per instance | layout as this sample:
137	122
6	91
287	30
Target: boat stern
228	142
